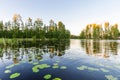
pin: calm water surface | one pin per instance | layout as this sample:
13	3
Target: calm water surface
78	60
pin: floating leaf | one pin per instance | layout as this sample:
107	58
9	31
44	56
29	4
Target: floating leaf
41	60
57	61
35	63
0	79
10	66
82	67
48	76
104	70
63	67
35	69
93	69
110	77
40	66
7	71
14	75
57	79
55	66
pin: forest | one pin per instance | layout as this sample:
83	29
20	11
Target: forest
99	31
17	28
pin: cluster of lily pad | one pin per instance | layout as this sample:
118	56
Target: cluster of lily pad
40	66
110	77
55	65
48	76
83	67
14	75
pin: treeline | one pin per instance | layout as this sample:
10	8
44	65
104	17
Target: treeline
98	31
33	29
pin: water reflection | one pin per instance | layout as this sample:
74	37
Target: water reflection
102	48
51	48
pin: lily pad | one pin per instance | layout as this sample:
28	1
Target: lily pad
10	66
93	69
40	66
55	66
110	77
82	67
104	70
57	79
7	71
0	79
35	63
48	76
57	61
63	67
14	75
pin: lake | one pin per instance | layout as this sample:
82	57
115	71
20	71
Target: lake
72	60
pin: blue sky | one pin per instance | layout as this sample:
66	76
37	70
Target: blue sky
75	14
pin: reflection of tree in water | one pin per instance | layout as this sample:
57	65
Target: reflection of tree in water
114	47
100	47
53	48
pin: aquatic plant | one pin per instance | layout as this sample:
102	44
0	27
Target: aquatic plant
40	66
10	66
63	67
57	79
35	63
14	75
7	71
47	76
110	77
82	67
104	70
92	69
55	66
57	61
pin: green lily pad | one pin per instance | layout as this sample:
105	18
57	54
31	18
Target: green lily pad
104	70
10	66
41	60
0	79
63	67
57	61
110	77
108	66
7	71
57	79
93	69
35	63
14	75
82	67
48	76
40	66
55	66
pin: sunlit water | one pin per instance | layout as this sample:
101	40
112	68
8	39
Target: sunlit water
81	60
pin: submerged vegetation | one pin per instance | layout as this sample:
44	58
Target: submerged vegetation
98	31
